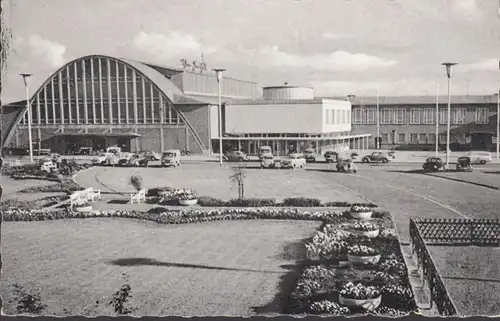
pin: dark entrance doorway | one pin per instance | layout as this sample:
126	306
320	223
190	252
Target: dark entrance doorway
481	141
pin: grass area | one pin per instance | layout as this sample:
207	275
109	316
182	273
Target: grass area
470	272
218	268
213	180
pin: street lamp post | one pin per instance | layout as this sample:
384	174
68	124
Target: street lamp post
448	66
498	124
26	79
218	72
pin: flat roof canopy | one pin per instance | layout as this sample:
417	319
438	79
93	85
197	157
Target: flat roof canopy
129	135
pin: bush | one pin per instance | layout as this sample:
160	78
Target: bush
252	202
211	201
64	187
155	191
136	182
301	202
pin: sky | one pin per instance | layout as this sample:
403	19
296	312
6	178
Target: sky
339	47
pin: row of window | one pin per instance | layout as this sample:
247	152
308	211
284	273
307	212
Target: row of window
414	138
337	116
418	116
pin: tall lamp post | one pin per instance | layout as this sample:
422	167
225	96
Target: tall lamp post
498	124
448	66
218	72
26	79
437	120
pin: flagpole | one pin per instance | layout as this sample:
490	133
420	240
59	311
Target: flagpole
379	143
437	120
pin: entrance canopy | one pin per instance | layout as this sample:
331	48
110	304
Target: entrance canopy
123	135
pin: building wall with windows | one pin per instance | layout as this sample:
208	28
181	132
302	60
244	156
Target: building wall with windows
407	122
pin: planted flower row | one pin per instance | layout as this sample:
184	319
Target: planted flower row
182	216
167	194
349	272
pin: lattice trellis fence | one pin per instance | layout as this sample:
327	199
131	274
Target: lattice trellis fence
459	232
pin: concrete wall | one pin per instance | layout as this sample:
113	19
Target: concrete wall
11	116
199	118
332	116
274	118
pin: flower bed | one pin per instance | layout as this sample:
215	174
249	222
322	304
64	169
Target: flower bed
207	201
66	186
326	286
33	204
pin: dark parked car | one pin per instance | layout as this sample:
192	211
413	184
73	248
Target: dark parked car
236	156
376	157
433	164
331	156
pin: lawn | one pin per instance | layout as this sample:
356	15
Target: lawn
470	272
218	268
213	180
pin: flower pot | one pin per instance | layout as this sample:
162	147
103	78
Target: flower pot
188	202
370	259
367	304
370	234
361	215
84	208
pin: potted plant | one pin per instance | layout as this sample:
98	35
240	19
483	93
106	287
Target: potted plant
360	295
360	212
186	197
362	254
362	229
83	206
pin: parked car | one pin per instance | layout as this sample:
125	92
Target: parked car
171	157
434	164
310	155
480	157
294	160
115	150
331	156
464	164
102	158
138	160
236	156
123	159
152	156
265	150
267	161
376	157
84	151
346	165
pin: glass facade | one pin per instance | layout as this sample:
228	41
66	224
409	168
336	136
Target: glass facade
100	90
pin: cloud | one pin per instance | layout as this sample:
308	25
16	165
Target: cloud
467	9
172	45
336	61
38	48
335	36
482	65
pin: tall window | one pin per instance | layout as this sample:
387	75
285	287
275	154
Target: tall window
371	116
332	117
401	138
413	138
327	118
386	115
422	139
443	116
344	118
481	115
458	116
399	116
385	138
415	116
431	138
429	115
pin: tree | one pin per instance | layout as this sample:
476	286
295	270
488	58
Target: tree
6	38
238	177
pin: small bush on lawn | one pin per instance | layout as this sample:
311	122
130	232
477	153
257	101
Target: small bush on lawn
301	202
136	182
63	187
211	201
252	202
155	191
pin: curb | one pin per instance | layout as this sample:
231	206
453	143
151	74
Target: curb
466	182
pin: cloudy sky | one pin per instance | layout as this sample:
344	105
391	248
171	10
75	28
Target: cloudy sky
337	46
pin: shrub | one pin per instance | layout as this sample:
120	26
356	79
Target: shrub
252	202
63	187
155	191
136	182
301	202
211	201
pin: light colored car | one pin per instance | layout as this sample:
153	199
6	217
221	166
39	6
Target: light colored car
171	157
480	157
267	161
265	150
294	161
102	158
